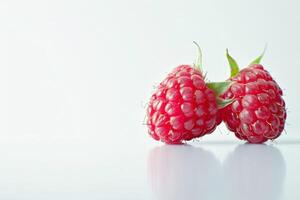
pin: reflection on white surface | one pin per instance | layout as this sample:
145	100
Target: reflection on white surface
186	172
254	172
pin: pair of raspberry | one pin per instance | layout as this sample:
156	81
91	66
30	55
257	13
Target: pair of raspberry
184	107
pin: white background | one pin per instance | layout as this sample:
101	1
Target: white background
75	77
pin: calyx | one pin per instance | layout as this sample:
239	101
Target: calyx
218	87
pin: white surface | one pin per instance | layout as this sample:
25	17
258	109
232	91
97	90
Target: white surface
83	168
74	76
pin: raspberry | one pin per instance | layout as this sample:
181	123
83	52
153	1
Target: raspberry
183	107
257	112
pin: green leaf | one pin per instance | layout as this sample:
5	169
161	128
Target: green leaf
258	59
233	64
219	87
222	103
198	61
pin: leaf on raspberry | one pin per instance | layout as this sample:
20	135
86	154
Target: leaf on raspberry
198	62
258	59
222	103
233	65
219	87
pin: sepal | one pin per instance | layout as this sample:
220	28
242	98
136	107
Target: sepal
233	65
198	61
258	59
222	103
219	87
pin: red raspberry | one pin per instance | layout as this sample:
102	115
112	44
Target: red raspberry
182	107
257	112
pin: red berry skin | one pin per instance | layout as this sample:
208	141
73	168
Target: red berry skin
182	107
257	112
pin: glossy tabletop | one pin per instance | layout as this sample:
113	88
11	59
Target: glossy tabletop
82	167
